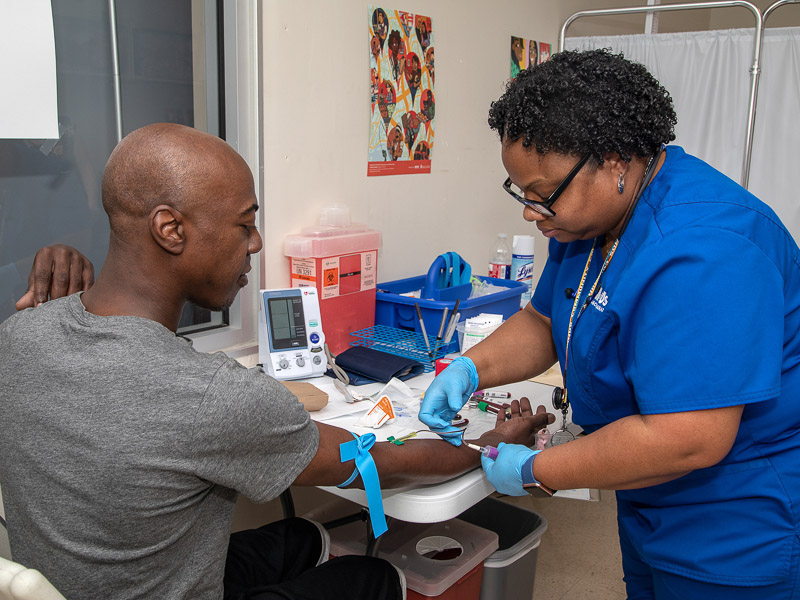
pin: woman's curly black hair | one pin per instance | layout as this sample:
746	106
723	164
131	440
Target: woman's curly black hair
586	102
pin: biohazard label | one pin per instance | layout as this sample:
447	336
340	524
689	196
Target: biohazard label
336	275
330	276
348	274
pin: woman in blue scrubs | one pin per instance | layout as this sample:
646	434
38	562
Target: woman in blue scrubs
671	300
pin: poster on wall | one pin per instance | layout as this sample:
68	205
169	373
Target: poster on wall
525	53
402	100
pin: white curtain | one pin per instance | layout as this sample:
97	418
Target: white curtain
708	75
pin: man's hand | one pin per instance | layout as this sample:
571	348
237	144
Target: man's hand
520	428
57	271
518	432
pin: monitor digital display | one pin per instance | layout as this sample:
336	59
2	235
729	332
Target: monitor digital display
287	325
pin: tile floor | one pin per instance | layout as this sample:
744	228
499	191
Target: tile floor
579	554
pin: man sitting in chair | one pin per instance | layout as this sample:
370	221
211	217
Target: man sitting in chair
123	449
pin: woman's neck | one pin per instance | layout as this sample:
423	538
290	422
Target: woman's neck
608	241
614	234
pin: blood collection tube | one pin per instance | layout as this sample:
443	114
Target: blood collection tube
496	404
486	407
494	408
489	452
486	394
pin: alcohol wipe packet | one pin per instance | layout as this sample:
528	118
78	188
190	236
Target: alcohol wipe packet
394	400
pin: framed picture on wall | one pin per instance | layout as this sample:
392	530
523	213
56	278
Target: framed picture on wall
526	53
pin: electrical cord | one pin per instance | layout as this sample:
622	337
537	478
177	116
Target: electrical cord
340	373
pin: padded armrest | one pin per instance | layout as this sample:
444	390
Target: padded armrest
20	583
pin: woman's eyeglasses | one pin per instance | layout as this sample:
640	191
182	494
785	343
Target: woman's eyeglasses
543	206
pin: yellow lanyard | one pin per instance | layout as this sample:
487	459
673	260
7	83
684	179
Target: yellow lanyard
586	303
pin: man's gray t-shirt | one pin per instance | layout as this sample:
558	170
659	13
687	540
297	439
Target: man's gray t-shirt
122	451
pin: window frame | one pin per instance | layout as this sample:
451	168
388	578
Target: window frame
240	30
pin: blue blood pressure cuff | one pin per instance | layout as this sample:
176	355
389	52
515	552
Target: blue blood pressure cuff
358	450
365	365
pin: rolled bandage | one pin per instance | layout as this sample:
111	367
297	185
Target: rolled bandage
358	450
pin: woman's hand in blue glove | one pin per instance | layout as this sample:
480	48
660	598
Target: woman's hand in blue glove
505	472
519	432
447	394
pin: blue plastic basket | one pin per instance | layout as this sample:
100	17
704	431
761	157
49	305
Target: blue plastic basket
398	312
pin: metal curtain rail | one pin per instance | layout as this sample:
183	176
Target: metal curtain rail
755	70
112	18
772	8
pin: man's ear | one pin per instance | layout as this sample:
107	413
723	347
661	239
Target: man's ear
166	227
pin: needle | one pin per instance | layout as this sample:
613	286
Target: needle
489	452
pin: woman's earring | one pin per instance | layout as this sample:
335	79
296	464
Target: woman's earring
620	184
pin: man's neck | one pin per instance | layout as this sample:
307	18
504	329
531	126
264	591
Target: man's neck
115	294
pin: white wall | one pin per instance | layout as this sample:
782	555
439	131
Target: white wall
316	117
315	128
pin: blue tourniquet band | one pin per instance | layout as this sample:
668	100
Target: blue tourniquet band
358	449
349	479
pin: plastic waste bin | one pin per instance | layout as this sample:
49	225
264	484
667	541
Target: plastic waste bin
510	571
442	561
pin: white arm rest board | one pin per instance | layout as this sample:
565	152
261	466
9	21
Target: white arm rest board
20	583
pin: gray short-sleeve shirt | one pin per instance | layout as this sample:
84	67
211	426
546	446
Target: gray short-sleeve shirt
123	450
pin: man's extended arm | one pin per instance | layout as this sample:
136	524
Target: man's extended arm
419	461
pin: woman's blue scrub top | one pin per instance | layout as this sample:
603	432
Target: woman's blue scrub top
698	309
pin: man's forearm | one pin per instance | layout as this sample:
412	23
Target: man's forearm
418	462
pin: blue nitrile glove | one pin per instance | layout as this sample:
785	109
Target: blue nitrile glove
505	472
447	394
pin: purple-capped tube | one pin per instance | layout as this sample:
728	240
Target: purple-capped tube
489	452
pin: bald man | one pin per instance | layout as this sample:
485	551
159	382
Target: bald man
123	450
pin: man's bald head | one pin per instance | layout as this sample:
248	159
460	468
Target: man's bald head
182	206
159	164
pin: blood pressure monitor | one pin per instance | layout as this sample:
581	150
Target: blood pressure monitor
290	338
